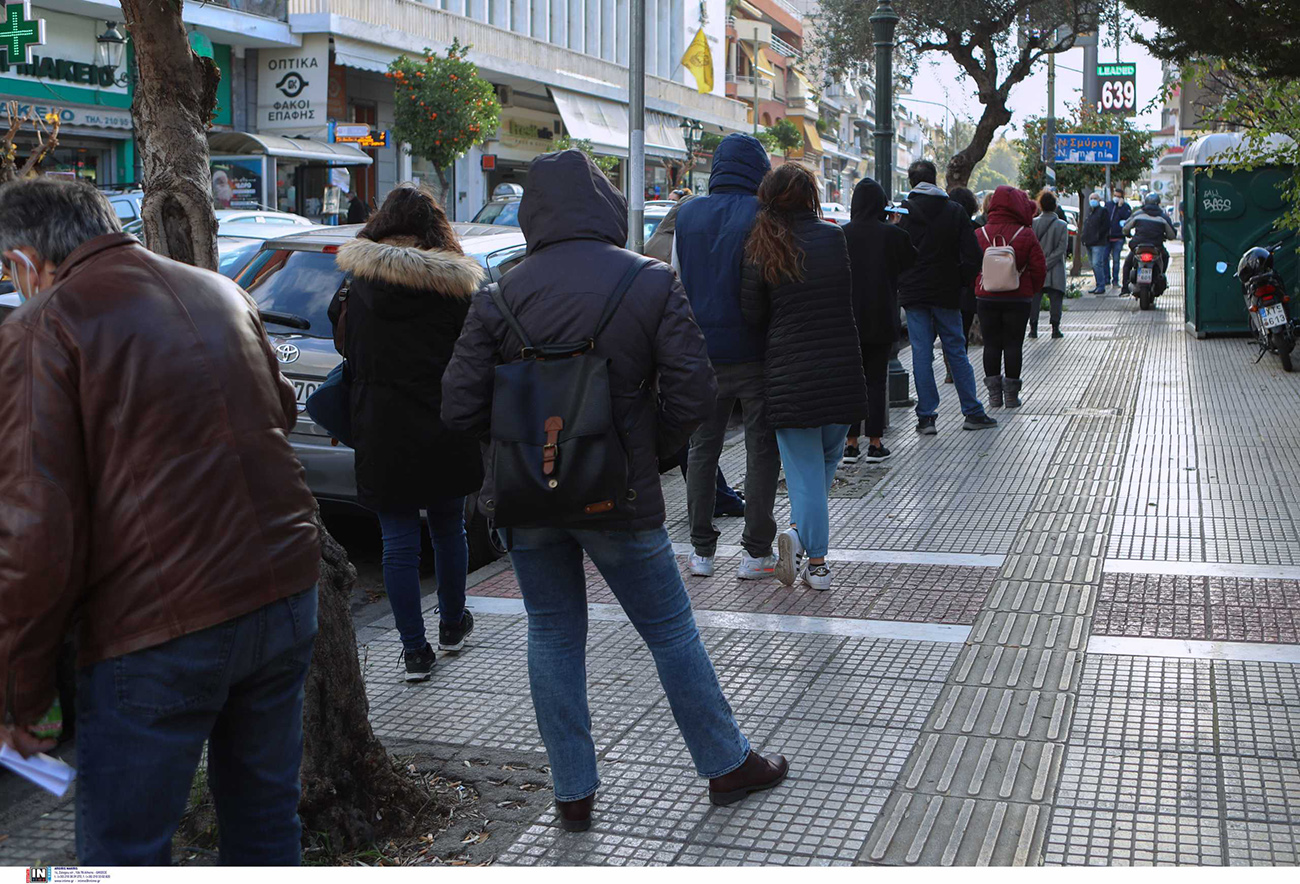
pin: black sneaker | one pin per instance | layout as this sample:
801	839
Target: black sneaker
925	426
419	664
1056	332
979	422
851	454
877	453
452	638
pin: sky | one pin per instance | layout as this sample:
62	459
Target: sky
940	80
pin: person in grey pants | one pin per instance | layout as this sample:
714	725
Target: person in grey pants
707	250
1053	236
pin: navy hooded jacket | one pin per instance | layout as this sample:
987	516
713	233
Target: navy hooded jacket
711	234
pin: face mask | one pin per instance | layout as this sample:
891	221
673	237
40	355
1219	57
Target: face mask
33	276
1094	203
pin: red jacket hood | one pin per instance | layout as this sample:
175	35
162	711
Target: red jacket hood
1011	205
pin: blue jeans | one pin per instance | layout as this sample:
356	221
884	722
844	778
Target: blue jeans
1100	257
142	719
923	325
642	572
402	566
1116	250
810	457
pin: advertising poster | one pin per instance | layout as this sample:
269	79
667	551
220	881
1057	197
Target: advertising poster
237	182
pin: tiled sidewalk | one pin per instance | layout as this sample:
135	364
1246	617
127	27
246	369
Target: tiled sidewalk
1071	640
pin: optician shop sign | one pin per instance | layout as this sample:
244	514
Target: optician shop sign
293	87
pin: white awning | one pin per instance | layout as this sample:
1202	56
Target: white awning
363	56
287	148
605	124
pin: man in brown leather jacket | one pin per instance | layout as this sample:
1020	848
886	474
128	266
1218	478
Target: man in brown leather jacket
149	494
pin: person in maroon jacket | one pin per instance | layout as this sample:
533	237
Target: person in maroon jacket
1004	315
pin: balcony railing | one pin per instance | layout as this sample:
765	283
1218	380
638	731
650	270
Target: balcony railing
790	8
277	9
779	45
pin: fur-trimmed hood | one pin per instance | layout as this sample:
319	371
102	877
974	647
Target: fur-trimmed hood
398	261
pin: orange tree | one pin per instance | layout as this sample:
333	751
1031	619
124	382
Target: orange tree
442	107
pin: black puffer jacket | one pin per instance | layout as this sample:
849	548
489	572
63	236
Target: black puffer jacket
813	363
575	222
879	252
405	311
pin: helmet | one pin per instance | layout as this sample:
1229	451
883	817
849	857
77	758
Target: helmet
1151	199
1254	262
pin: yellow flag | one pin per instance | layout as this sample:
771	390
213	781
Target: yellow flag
699	61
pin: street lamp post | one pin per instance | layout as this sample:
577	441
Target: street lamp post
883	23
692	134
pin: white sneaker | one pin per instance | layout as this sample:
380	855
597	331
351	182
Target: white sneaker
816	576
701	566
788	551
755	569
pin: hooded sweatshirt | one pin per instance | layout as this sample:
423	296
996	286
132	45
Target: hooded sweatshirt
878	252
405	311
710	243
1011	220
661	383
947	256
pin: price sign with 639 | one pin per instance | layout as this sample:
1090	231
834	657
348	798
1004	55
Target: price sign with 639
1117	88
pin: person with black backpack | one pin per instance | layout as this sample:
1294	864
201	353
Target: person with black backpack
582	371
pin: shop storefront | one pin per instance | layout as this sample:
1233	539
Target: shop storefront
299	175
69	77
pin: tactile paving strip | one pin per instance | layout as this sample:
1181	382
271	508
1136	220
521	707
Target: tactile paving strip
980	784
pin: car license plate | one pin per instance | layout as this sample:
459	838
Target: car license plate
303	389
1144	274
1273	316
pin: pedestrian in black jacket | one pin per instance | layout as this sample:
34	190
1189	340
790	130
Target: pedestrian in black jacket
411	288
662	387
878	253
796	284
948	258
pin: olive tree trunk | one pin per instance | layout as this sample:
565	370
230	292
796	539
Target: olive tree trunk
352	793
175	96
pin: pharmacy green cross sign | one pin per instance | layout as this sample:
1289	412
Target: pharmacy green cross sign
20	32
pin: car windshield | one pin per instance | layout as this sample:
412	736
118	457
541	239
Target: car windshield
651	225
503	213
298	283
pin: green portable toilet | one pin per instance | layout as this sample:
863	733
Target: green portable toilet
1225	213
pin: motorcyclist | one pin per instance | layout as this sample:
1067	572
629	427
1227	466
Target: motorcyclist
1148	226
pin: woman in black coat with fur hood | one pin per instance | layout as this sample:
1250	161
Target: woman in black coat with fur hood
411	287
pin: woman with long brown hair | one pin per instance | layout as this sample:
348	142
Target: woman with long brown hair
796	285
411	287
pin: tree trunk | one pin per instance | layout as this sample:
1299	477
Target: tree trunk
175	96
995	116
350	788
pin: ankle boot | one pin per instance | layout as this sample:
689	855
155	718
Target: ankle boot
1012	387
1056	331
994	385
755	775
575	816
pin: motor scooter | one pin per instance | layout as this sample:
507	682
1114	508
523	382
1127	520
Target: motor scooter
1267	304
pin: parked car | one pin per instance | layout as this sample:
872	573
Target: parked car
243	222
293	279
835	213
9	300
503	209
652	216
126	203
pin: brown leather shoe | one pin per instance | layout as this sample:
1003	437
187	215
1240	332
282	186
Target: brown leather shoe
575	816
755	775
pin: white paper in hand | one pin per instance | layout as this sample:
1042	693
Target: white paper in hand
50	774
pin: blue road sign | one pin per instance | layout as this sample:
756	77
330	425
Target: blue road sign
1085	149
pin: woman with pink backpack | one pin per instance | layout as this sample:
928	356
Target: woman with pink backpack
1011	275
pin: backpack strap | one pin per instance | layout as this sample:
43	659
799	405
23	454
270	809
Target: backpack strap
497	298
619	291
341	326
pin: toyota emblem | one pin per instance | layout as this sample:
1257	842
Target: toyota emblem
286	353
